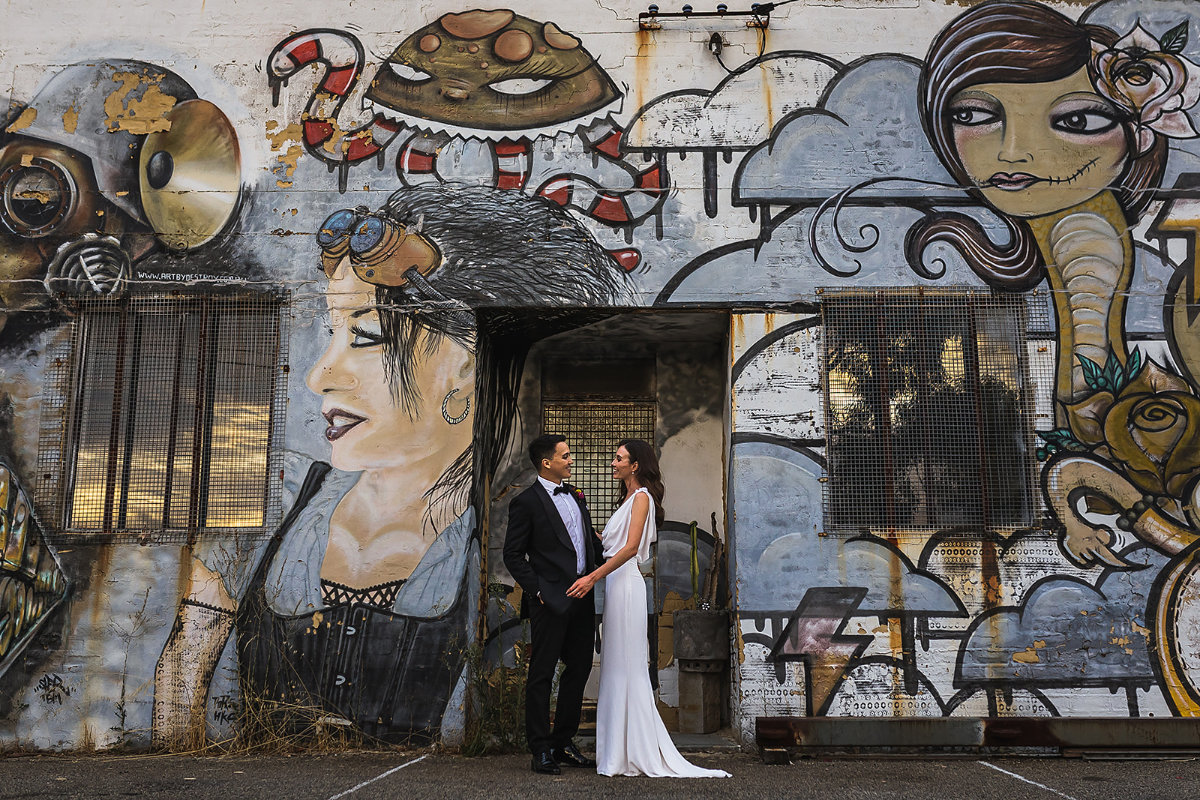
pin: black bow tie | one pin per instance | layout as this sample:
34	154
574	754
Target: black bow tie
561	490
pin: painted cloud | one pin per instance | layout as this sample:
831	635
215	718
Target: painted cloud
866	128
740	112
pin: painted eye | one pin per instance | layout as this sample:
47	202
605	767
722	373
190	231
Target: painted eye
973	115
365	337
518	86
406	73
1089	122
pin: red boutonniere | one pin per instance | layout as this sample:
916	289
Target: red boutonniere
579	496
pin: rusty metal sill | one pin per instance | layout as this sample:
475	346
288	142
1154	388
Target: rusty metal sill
1090	737
1181	754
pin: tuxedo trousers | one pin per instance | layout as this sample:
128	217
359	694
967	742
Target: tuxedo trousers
568	638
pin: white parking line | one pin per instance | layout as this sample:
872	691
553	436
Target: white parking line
354	789
1026	780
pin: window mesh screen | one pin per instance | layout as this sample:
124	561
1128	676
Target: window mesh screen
593	430
172	411
928	413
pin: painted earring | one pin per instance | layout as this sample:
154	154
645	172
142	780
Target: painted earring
446	414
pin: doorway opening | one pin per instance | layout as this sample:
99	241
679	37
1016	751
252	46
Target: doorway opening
597	378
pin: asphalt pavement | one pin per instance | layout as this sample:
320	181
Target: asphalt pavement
416	774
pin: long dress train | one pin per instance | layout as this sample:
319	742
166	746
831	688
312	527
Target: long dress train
630	736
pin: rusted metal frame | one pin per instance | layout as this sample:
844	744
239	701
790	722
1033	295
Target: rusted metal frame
1067	735
214	317
989	568
83	335
281	315
131	426
54	430
272	312
883	409
198	417
971	364
759	17
1021	314
826	347
924	392
114	429
185	315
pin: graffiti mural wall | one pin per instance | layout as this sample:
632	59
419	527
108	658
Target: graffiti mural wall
1054	579
270	279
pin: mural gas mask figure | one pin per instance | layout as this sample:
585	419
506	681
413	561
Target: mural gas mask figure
108	162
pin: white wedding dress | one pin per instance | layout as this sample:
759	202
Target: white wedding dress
630	736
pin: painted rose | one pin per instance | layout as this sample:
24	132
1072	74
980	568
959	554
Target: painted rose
1151	81
1150	428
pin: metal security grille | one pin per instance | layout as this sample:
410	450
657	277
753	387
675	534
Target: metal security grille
173	408
593	430
928	415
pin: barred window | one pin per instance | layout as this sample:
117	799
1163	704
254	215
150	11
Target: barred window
927	414
593	430
595	403
173	409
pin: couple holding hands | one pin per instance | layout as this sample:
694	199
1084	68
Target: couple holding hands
556	556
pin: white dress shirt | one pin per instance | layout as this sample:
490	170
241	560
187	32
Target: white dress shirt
572	517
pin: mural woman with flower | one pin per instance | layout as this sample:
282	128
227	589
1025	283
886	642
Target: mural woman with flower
1063	129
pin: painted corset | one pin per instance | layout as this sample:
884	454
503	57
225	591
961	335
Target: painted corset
389	674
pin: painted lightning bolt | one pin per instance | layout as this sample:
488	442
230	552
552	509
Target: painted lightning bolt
814	636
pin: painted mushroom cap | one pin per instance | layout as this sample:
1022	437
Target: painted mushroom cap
493	71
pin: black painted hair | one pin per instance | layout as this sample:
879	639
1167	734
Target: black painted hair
499	249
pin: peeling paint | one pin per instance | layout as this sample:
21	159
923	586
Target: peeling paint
70	120
289	137
147	114
1026	656
23	121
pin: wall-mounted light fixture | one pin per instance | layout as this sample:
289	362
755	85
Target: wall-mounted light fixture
759	16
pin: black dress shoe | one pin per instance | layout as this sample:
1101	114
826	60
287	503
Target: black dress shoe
543	763
569	754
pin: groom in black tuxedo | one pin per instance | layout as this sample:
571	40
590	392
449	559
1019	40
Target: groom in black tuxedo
550	543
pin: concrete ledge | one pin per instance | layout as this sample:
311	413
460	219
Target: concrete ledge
1064	735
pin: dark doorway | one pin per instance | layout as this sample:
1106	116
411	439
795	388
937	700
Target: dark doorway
661	376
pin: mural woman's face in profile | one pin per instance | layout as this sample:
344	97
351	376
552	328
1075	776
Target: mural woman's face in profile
366	427
1037	148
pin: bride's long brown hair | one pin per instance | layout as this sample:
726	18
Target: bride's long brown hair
648	474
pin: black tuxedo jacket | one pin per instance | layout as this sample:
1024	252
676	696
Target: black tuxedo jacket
538	550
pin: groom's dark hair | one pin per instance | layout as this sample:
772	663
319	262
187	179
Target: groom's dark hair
544	447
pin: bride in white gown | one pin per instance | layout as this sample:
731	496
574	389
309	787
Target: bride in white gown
630	736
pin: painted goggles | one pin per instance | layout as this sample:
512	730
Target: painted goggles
36	194
382	252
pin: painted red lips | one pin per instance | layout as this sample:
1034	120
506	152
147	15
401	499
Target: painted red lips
340	422
1012	183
